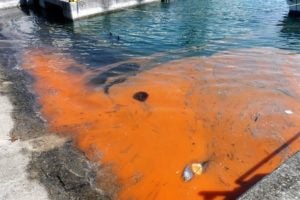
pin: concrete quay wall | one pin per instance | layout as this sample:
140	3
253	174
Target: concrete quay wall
283	183
80	9
4	4
75	9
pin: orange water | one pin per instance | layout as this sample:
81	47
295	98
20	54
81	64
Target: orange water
228	109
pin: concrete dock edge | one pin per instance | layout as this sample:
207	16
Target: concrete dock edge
283	183
76	9
5	4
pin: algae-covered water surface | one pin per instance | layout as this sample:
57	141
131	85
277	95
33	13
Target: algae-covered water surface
150	90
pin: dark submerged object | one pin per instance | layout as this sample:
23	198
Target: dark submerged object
141	96
295	14
122	69
75	70
114	75
114	82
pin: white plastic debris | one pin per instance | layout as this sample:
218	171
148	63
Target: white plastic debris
231	66
194	169
289	112
187	174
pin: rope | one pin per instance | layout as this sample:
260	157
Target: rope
296	4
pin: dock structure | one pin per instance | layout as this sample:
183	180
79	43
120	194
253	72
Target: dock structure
5	4
75	9
294	7
283	183
82	8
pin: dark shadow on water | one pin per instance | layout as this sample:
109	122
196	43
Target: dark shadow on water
294	14
115	75
52	14
242	181
25	10
232	194
122	69
290	25
80	45
290	31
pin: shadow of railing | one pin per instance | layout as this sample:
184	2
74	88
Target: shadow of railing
242	181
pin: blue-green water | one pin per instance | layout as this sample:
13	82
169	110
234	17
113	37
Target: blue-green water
177	29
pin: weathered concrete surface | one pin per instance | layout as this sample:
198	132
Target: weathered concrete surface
36	163
76	9
14	158
66	174
283	183
4	4
46	167
85	8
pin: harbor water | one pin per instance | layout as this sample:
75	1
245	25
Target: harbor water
148	91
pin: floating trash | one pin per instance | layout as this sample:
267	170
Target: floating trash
197	168
289	112
194	169
141	96
187	174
